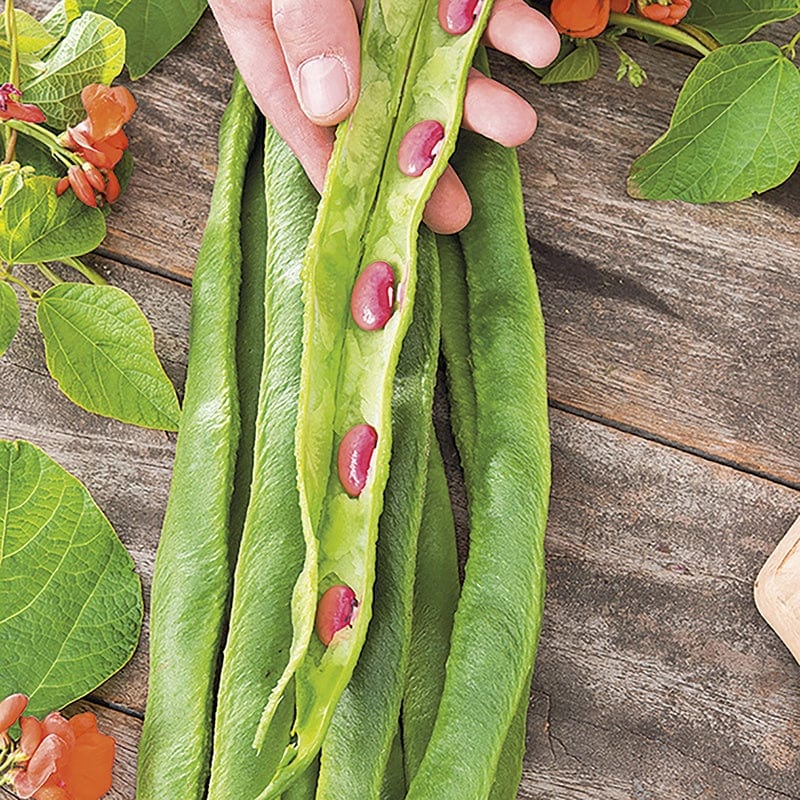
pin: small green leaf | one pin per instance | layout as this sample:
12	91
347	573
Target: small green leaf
59	17
36	225
32	37
579	65
99	347
153	27
70	601
9	316
93	51
731	21
735	130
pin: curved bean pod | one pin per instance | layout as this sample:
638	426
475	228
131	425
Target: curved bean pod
272	548
348	372
359	740
500	608
192	572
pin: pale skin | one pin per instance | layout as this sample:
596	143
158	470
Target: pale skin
300	60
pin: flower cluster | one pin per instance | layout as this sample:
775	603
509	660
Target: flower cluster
55	758
100	141
583	19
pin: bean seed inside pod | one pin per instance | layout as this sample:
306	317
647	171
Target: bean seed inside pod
458	16
335	611
419	147
373	296
355	454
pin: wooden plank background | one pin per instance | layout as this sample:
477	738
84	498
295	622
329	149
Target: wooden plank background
674	347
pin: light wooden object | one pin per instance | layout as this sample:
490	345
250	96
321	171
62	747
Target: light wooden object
777	590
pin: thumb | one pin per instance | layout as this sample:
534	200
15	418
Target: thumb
320	41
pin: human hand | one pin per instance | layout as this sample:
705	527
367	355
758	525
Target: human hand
300	60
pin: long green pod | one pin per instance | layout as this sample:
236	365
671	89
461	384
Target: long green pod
272	548
359	740
332	259
393	782
463	416
305	787
192	576
499	613
357	368
436	591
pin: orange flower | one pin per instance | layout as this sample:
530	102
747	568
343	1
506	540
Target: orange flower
583	19
10	108
667	12
55	759
100	138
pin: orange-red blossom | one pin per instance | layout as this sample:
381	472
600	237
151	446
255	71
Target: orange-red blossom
667	12
583	19
56	759
11	108
100	140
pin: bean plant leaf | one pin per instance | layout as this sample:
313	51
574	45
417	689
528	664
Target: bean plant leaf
9	316
59	17
70	601
93	51
579	65
153	27
33	38
99	347
735	130
36	225
731	21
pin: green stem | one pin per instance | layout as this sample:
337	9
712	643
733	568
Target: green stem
48	273
704	37
93	277
647	26
31	292
791	47
13	71
45	137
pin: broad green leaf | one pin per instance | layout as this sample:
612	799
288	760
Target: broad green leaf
36	225
93	51
99	347
153	27
32	37
70	601
735	130
9	317
59	17
12	180
731	21
579	65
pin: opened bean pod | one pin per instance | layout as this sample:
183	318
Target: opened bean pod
358	365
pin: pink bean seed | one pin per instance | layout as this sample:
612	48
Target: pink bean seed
335	611
373	296
355	454
458	16
419	147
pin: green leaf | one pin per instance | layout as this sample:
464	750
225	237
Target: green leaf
32	37
99	347
93	51
70	601
735	130
154	27
9	317
59	17
731	21
579	65
36	225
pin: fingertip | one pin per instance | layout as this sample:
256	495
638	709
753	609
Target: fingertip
523	32
497	112
449	209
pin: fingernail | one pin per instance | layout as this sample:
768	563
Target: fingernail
323	86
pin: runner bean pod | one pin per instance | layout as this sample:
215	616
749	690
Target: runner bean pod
192	572
347	372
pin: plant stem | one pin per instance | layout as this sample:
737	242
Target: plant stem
31	292
93	277
647	26
13	71
45	137
702	36
791	47
48	273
